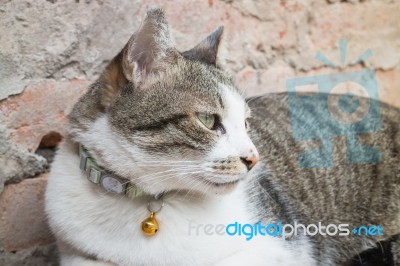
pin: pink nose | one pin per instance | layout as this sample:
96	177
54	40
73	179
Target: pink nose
251	160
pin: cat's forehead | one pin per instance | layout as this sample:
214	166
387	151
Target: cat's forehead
188	87
220	86
196	84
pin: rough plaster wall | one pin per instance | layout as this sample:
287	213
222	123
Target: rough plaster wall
51	50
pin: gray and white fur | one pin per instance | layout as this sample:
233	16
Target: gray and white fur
140	121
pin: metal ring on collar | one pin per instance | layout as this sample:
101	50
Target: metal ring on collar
150	207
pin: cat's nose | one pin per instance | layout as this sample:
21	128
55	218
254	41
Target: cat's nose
250	160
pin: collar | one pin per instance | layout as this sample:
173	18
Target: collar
106	180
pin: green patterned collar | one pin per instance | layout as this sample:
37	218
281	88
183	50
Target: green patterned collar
107	181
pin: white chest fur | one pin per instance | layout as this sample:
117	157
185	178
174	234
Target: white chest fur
108	226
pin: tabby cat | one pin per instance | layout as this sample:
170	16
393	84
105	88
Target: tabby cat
163	148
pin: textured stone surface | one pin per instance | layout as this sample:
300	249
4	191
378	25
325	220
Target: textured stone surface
35	256
28	117
39	110
72	39
51	50
22	220
16	162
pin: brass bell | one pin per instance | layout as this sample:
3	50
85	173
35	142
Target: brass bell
150	225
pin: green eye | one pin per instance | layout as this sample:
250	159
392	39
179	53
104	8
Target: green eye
207	119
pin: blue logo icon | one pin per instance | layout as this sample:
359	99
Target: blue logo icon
341	112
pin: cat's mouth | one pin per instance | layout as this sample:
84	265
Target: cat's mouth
222	184
225	185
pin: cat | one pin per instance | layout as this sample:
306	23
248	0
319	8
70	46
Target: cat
178	151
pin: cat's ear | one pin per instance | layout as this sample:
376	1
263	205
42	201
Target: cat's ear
208	50
143	55
149	47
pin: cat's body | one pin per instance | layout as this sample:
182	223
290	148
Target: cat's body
144	120
346	193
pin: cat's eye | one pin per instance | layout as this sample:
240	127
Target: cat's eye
208	120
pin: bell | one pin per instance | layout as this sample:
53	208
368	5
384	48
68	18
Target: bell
150	225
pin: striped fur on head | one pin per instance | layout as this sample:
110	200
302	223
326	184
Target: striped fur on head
148	99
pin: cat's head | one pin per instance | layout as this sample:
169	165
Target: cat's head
164	119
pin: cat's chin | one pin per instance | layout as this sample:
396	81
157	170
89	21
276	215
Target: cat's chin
221	187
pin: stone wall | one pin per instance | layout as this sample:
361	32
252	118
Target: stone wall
51	50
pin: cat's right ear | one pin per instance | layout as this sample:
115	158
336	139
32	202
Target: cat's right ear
208	50
143	55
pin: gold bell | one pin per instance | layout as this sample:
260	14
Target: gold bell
150	225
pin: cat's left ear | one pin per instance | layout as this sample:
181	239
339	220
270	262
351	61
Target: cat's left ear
147	52
208	50
144	54
150	46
